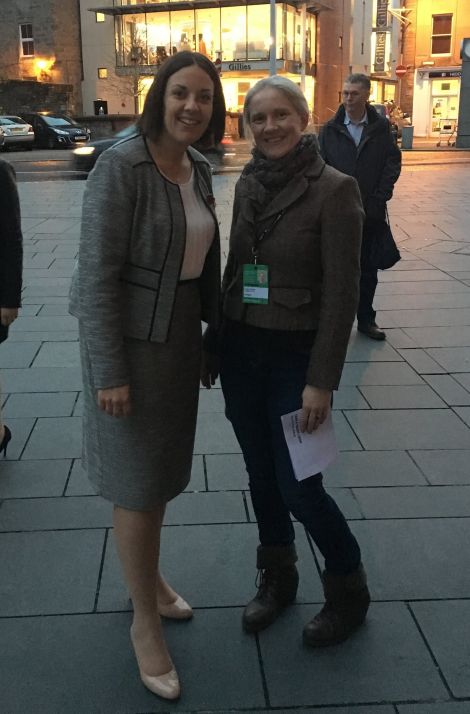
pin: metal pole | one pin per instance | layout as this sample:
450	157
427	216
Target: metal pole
272	49
303	48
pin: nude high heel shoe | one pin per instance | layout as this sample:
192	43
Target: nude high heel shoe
165	685
179	609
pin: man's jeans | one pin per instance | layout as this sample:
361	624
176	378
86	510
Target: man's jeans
262	378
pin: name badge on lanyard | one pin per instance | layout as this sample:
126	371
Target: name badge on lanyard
255	284
255	275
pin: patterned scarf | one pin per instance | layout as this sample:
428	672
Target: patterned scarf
275	174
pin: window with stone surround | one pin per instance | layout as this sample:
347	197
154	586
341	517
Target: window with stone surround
26	40
441	38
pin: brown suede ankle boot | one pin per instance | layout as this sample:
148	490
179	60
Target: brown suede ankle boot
347	601
277	588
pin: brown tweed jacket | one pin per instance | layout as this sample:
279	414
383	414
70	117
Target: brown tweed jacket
313	254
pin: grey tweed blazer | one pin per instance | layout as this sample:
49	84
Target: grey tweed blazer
132	247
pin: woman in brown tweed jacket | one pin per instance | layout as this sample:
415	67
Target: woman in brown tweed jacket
297	223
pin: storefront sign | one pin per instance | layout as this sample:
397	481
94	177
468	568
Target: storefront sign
379	61
451	73
381	21
250	66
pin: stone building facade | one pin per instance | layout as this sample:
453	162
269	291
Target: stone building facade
430	90
40	43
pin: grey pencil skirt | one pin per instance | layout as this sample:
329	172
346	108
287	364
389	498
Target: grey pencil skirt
144	460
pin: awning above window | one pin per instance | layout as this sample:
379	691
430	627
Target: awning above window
151	7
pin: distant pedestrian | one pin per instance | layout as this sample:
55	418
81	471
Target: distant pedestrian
298	224
11	264
148	272
359	142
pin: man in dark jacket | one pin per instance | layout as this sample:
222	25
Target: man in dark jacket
358	142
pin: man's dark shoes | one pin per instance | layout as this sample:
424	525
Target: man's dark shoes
371	330
277	582
347	601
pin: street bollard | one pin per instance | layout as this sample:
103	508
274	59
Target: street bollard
407	137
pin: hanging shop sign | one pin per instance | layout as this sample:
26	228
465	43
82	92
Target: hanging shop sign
381	21
379	60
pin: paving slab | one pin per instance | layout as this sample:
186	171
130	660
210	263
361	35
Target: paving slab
409	429
212	566
58	354
211	401
44	336
415	559
447	386
362	349
444	467
50	514
345	436
463	413
420	361
434	708
377	373
55	438
226	472
349	398
42	379
444	627
33	479
463	379
435	317
448	336
386	660
429	287
50	572
20	430
45	404
374	468
413	501
453	359
215	436
417	396
99	673
209	507
14	354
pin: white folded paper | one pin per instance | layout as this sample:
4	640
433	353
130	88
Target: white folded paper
309	453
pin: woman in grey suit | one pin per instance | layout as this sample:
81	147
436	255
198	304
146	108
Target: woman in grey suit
148	272
290	292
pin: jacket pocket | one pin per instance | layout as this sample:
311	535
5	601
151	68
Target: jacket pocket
140	277
291	298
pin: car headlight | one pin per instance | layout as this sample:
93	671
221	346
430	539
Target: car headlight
59	131
84	150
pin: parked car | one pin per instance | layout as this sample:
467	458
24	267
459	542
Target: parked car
84	158
16	133
54	131
2	137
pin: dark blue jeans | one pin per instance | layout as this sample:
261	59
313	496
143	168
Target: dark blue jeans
263	376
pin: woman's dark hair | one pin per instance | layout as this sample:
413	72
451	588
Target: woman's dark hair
151	121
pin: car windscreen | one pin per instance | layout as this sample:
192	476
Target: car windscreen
4	121
16	120
58	121
127	131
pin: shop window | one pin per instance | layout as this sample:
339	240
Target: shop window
233	33
258	32
26	40
100	17
131	41
159	45
183	31
441	38
102	73
208	32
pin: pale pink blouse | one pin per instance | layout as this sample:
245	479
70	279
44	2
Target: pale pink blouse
200	230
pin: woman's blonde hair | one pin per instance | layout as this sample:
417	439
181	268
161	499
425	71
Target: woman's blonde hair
291	91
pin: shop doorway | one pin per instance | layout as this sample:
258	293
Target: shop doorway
444	104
